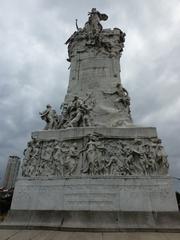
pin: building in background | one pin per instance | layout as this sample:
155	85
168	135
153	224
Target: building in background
1	181
11	172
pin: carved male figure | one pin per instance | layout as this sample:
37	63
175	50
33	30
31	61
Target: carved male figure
50	117
78	112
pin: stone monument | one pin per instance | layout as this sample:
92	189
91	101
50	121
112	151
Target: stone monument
91	167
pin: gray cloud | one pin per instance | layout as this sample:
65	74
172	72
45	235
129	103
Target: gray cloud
34	71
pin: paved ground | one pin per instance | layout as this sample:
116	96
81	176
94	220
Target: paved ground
56	235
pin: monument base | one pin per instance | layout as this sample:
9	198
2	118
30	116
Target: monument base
95	204
106	221
115	193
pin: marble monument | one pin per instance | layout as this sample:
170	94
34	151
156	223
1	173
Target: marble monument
91	167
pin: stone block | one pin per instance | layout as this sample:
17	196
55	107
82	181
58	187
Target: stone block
95	194
75	133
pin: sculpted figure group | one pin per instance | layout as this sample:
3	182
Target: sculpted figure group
94	36
78	112
75	114
49	158
95	155
50	117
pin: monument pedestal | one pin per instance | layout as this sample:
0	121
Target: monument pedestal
127	194
95	204
91	197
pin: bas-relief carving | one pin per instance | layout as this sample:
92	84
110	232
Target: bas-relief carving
120	98
94	150
95	155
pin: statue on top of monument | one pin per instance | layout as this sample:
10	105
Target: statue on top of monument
92	35
93	24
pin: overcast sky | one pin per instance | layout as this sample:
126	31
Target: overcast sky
34	70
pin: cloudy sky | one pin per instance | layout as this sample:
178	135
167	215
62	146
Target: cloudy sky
34	70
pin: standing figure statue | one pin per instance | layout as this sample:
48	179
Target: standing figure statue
50	117
71	159
93	155
93	25
57	159
75	113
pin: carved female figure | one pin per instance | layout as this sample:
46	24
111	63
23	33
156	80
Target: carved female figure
58	163
93	23
70	162
93	155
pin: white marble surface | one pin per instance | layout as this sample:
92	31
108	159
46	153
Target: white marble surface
96	194
73	133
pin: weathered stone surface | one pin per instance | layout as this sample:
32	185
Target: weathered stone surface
65	235
94	221
116	152
95	194
73	133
